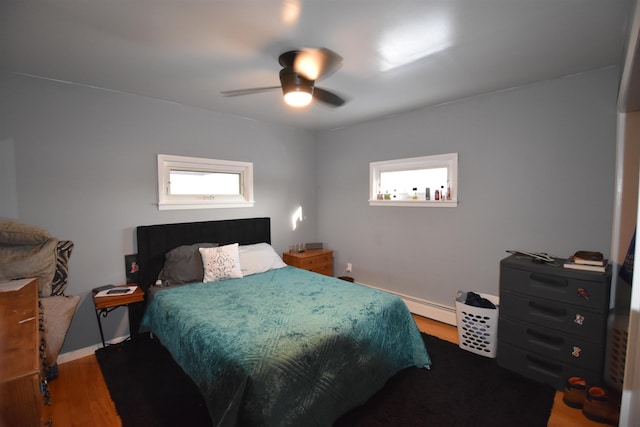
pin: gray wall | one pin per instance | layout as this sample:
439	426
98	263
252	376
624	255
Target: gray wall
86	171
536	172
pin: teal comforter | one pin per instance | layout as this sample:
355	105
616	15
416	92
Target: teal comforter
286	347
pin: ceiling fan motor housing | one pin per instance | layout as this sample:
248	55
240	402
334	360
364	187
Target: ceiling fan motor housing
294	82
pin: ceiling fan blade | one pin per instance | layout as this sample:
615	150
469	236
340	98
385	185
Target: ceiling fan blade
316	63
327	97
248	91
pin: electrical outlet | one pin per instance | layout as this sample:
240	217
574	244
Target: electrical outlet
349	267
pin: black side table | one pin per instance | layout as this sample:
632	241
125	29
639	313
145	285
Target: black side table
106	304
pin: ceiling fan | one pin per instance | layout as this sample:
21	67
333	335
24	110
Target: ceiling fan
301	69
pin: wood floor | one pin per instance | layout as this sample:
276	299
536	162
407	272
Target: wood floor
80	397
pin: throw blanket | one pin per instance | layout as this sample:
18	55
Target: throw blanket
285	347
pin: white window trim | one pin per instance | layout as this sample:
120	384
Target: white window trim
450	161
166	163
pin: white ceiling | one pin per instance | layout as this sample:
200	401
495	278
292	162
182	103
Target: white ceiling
187	51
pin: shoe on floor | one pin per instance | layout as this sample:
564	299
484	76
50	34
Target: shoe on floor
575	392
598	407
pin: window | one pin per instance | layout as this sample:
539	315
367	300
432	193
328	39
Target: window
430	181
196	183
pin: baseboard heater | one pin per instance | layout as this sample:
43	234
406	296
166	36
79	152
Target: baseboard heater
421	307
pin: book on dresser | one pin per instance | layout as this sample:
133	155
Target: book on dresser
589	258
587	261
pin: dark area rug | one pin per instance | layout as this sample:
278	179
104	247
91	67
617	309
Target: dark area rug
149	388
461	389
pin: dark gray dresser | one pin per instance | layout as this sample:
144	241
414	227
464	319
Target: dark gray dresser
553	321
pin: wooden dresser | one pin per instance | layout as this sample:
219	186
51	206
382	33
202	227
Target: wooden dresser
21	401
316	260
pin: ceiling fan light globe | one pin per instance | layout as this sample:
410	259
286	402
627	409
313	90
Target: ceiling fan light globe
297	98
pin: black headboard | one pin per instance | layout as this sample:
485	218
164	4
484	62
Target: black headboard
154	241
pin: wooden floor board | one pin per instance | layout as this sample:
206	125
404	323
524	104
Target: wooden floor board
80	397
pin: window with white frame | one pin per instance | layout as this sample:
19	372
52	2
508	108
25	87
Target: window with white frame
197	183
429	181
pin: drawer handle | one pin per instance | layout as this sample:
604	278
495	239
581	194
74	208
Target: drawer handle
549	281
555	312
545	364
548	339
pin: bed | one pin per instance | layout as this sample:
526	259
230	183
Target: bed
279	346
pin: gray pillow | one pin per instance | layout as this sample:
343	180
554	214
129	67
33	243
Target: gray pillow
184	264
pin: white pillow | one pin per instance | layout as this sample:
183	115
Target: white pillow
220	263
259	258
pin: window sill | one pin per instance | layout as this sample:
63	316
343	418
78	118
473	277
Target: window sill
416	203
201	205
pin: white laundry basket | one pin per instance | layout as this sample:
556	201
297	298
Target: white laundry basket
477	326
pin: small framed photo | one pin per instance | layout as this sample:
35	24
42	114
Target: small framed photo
131	268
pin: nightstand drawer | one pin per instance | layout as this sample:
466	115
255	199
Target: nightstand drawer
316	263
327	270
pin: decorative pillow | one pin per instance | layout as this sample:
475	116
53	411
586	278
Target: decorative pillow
17	262
221	263
57	313
16	233
258	258
184	264
61	276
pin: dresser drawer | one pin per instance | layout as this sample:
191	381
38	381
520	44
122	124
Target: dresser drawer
541	368
562	286
326	270
563	347
554	315
21	400
316	263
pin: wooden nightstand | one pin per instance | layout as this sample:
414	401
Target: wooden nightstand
316	260
105	305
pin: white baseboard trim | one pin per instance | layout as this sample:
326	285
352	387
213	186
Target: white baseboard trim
86	351
419	306
424	308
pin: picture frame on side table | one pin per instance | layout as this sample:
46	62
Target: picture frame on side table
131	268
